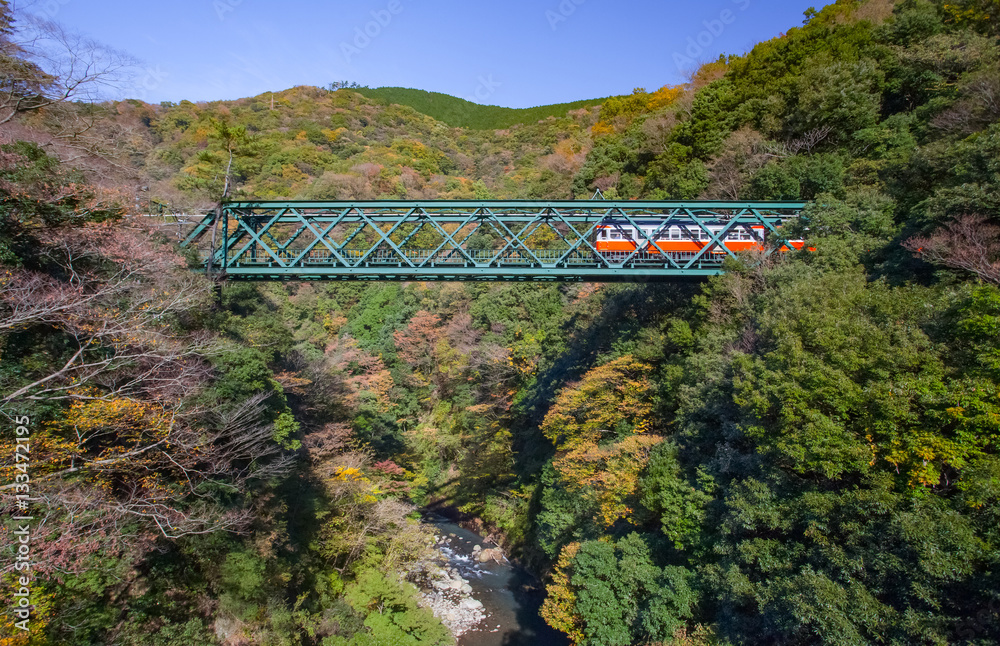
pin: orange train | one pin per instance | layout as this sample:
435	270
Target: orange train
622	237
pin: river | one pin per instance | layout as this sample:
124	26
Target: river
511	597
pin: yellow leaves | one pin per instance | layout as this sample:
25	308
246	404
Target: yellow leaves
41	614
559	609
291	173
960	14
333	322
49	452
123	416
348	474
663	97
602	129
608	475
620	111
955	412
611	400
334	135
922	455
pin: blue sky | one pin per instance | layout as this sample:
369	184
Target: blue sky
516	53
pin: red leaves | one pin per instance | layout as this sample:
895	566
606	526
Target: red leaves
390	468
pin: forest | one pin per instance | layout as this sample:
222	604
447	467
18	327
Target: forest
801	451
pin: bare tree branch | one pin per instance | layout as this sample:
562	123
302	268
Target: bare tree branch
42	65
970	243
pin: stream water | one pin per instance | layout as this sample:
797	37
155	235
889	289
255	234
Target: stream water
510	595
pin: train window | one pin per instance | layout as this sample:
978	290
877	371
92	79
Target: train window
675	233
615	235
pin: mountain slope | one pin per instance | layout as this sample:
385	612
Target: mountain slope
460	113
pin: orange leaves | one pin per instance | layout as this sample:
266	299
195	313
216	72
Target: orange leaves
363	373
417	342
292	382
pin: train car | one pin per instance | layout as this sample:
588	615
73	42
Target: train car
614	238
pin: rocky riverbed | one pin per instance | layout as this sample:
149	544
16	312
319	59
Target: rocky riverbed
446	590
482	598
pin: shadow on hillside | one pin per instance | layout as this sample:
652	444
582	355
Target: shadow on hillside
620	318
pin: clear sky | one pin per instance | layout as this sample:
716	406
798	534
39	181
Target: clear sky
516	53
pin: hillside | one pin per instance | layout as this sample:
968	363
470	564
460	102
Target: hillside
341	145
804	451
460	113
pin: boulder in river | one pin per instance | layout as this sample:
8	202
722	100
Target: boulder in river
491	554
470	604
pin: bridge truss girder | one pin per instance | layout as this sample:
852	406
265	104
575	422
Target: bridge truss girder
477	240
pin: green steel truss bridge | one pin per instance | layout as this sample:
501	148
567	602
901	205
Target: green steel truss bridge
478	240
